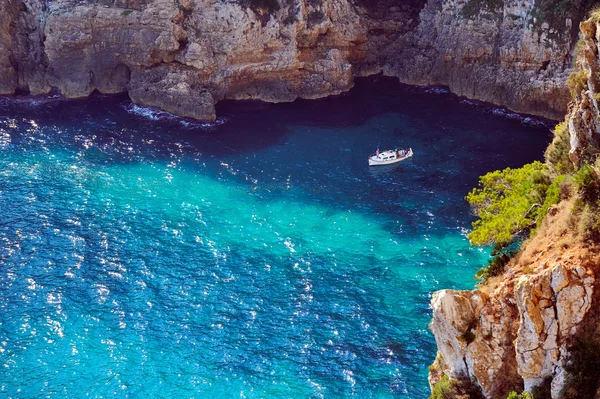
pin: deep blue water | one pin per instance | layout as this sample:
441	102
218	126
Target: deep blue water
143	255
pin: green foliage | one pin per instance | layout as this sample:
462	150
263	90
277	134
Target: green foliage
541	391
595	14
584	177
495	267
443	389
448	388
584	370
553	195
589	222
579	46
508	204
473	7
577	82
522	395
126	12
557	153
553	12
588	183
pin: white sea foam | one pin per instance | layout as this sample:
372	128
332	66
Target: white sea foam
148	112
525	120
437	90
155	114
505	113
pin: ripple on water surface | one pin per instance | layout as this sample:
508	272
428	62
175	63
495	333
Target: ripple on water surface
144	255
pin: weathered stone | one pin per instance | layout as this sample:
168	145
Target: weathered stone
306	49
174	90
584	116
495	56
525	345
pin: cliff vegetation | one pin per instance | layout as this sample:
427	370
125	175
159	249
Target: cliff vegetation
532	329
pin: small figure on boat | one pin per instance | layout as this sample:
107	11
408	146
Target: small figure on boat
390	156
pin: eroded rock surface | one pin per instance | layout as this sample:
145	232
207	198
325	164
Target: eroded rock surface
163	51
496	55
517	334
584	116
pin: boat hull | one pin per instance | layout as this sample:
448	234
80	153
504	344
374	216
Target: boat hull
375	161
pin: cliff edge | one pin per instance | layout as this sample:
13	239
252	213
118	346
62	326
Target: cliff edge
516	333
186	55
536	327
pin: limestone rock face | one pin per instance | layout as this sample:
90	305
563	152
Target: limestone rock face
583	119
520	332
185	56
474	337
496	55
550	308
306	48
172	89
8	76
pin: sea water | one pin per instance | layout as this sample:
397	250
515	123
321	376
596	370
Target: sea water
148	256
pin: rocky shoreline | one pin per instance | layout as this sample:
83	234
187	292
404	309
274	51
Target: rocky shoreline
185	56
526	329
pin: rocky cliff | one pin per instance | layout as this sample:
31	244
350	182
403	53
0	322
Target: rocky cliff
512	52
186	55
584	117
517	333
526	329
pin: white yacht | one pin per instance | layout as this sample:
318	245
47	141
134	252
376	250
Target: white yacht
390	156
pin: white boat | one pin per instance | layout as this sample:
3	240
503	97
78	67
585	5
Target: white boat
390	156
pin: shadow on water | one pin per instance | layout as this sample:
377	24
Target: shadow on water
186	239
249	126
317	146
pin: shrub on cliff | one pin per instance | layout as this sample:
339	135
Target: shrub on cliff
557	190
577	81
522	395
584	370
443	389
588	183
449	388
508	204
557	153
542	391
500	257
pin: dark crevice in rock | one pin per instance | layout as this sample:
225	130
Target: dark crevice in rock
544	66
183	44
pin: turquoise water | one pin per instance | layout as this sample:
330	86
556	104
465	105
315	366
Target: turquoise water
143	255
